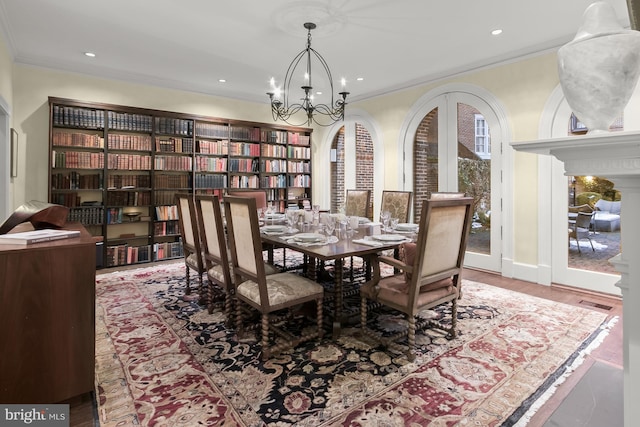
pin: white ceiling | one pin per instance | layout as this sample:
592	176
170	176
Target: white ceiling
190	44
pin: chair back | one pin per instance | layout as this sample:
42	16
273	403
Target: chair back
357	203
439	195
442	242
245	244
583	221
212	235
188	225
259	195
398	203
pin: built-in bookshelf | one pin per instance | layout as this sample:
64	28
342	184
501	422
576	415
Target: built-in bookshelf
118	169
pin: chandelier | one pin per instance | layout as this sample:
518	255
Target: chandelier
321	114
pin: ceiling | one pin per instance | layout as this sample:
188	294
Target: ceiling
191	44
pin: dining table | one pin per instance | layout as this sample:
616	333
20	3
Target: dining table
319	247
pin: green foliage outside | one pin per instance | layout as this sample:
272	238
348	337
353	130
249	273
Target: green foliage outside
474	178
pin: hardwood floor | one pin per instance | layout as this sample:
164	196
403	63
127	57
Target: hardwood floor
83	412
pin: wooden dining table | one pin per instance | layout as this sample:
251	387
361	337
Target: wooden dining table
337	252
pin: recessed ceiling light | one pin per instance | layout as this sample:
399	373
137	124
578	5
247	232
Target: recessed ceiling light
90	54
318	93
222	80
360	79
496	32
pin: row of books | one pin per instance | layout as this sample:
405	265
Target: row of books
274	136
76	139
166	213
244	149
212	130
293	167
114	215
174	145
211	164
92	215
129	198
299	152
122	141
210	181
299	139
126	254
78	117
166	228
243	181
220	148
66	199
169	125
129	161
299	181
275	165
273	150
275	194
171	181
132	181
173	163
77	160
243	165
167	250
249	134
130	121
164	198
274	181
76	181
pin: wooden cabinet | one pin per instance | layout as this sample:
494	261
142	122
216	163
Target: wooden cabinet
118	169
47	313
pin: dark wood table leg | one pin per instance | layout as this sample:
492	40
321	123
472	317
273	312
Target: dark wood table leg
337	320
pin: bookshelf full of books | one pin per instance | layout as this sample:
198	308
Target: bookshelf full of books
118	169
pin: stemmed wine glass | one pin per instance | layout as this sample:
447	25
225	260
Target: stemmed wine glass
330	226
292	216
384	218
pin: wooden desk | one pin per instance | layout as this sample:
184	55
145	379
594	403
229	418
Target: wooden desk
337	252
47	320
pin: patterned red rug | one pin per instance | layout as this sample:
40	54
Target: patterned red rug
162	361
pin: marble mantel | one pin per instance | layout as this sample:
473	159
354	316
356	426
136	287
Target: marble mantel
615	156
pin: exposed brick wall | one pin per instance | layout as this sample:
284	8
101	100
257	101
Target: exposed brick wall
467	127
364	166
364	161
425	161
337	171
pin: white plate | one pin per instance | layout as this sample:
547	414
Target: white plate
405	226
363	220
274	228
308	237
388	237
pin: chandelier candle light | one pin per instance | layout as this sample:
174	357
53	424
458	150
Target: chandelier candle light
320	114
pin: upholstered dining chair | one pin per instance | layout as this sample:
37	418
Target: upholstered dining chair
190	235
268	295
216	252
397	203
430	275
438	195
357	203
579	229
259	195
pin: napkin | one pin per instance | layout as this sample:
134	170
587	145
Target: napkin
367	242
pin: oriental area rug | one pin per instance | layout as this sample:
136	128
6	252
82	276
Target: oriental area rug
163	361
